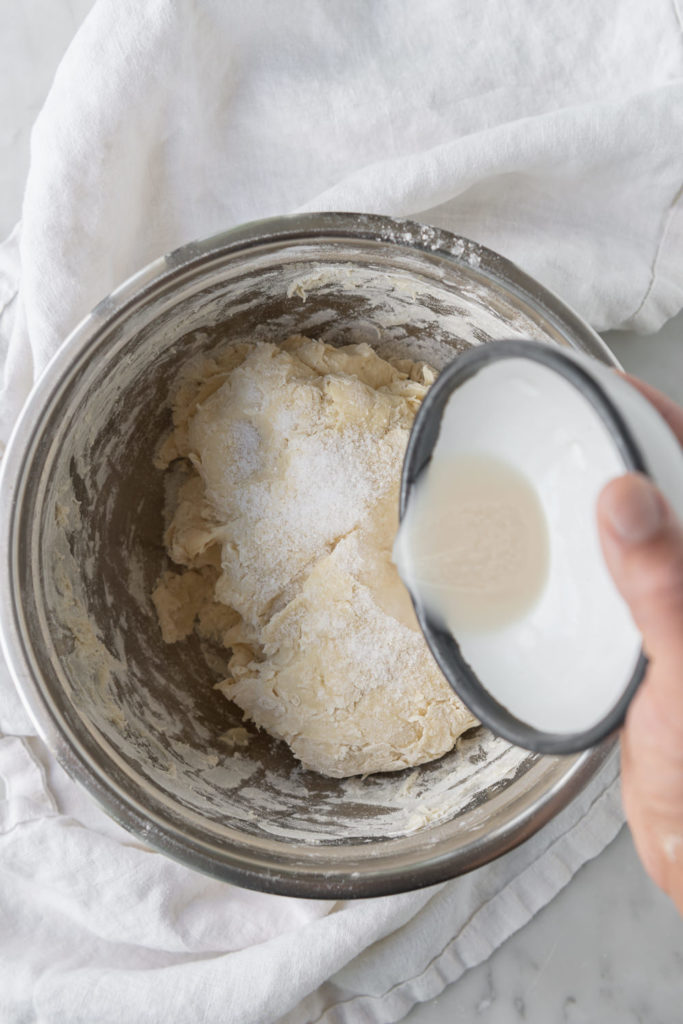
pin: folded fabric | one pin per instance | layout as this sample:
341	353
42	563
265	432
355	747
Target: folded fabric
106	931
548	131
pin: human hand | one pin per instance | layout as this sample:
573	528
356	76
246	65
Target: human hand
643	547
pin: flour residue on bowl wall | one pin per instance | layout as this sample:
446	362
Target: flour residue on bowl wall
154	714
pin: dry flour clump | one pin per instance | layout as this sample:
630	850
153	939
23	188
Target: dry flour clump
282	511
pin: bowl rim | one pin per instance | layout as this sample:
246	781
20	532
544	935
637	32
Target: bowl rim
378	878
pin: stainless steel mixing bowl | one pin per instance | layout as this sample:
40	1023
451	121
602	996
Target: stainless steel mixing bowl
137	722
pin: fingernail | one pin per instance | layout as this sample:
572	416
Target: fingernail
634	509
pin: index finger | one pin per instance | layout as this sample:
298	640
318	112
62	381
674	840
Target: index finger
667	408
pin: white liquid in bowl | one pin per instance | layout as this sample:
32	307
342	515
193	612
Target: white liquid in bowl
550	639
478	540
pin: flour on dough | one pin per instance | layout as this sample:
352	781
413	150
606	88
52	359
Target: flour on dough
284	469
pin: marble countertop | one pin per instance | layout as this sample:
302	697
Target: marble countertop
609	948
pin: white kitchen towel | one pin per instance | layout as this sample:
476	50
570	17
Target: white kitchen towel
98	929
549	130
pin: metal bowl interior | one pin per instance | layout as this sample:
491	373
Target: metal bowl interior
138	722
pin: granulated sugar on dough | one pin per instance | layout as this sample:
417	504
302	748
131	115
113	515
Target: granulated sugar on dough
283	472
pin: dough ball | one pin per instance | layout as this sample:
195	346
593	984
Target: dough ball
285	519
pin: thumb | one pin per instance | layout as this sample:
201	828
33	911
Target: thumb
643	547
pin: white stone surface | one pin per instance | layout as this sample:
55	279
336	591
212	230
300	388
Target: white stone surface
609	948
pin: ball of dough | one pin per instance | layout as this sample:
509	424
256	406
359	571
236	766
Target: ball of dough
284	516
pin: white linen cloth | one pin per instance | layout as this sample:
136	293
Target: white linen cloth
550	131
